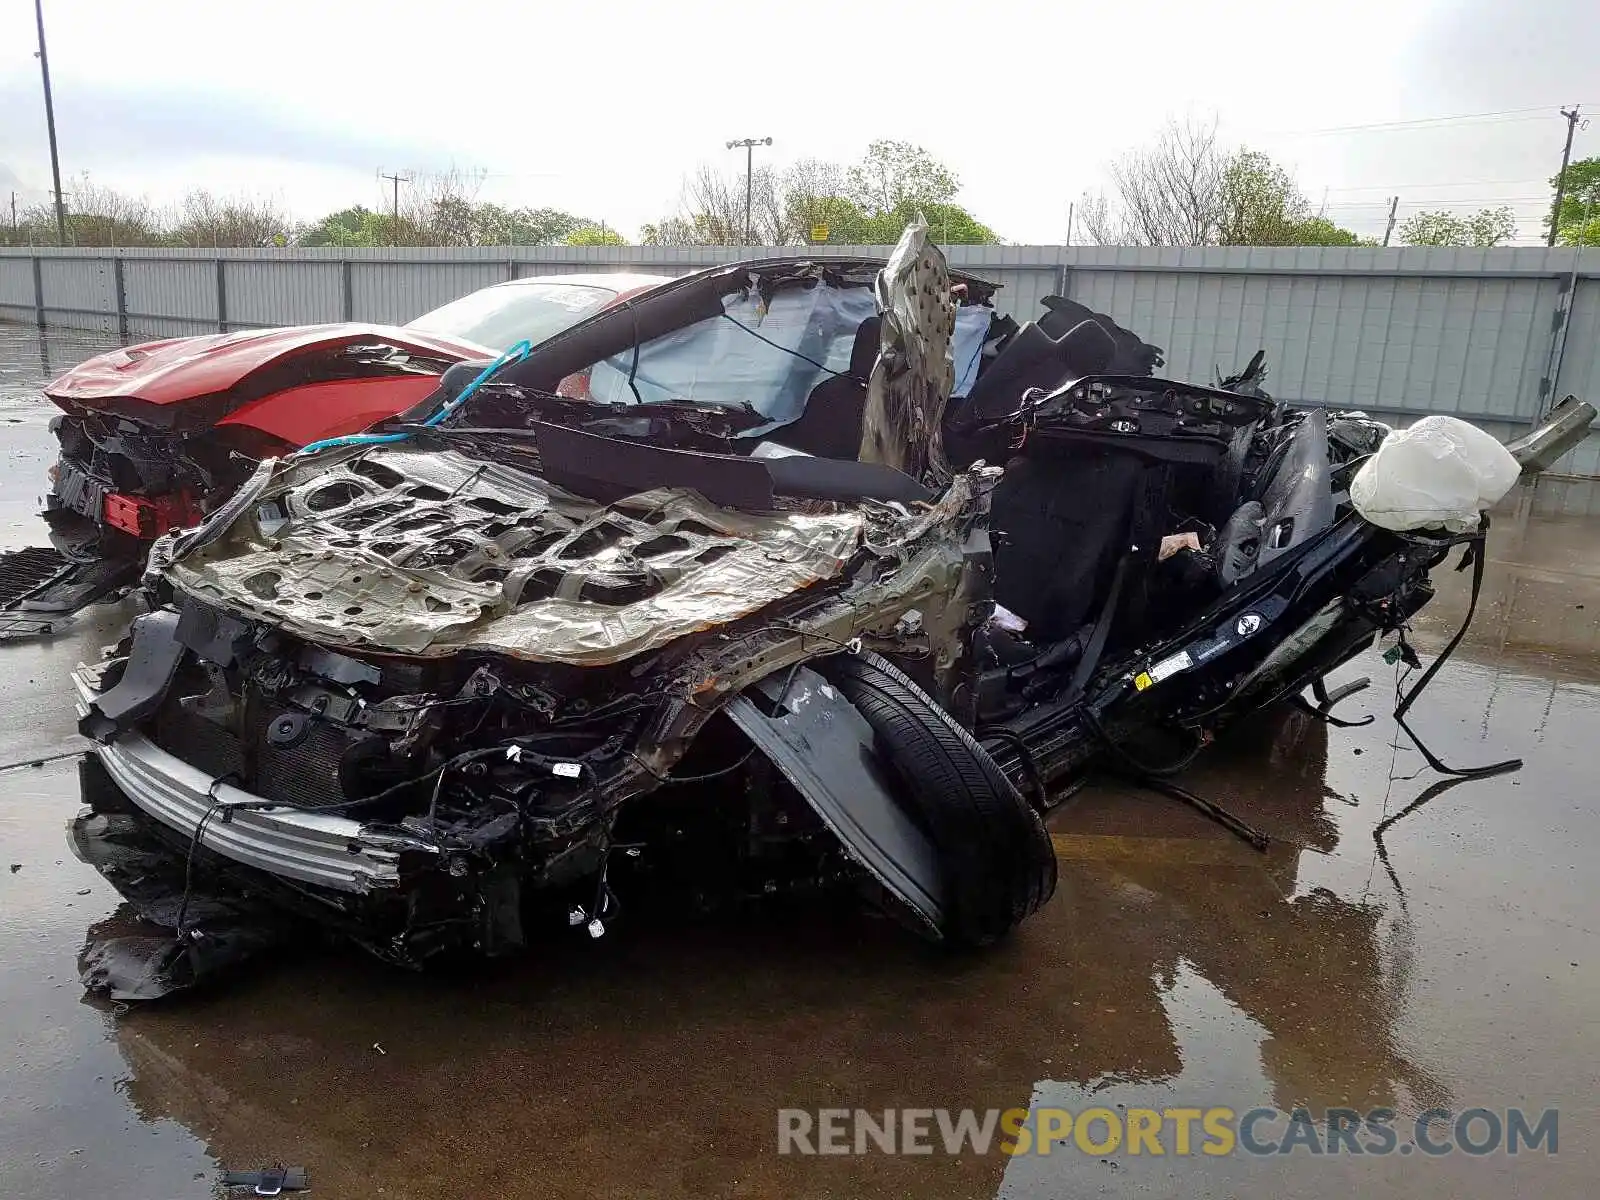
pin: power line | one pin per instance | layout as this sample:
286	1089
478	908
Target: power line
1504	115
1391	187
1444	201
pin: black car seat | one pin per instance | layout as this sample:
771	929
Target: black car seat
1031	358
1063	518
830	426
1034	359
1131	355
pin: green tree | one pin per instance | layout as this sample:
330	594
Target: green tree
869	203
355	226
1581	233
546	226
595	235
948	224
1580	204
846	224
1319	231
1261	205
893	174
1486	227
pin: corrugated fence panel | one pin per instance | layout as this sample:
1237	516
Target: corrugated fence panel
284	293
394	293
1398	331
16	282
179	291
1580	362
146	329
1023	289
1386	343
79	287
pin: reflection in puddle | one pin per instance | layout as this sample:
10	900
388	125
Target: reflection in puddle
29	358
1177	964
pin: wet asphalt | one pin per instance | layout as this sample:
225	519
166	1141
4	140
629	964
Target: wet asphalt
1457	965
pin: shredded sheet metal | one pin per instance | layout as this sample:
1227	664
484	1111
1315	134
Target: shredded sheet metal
432	552
915	371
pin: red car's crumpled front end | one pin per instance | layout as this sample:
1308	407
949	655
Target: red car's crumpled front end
153	435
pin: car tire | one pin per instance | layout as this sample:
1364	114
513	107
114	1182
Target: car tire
998	861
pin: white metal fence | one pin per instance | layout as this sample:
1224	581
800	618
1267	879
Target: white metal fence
1495	336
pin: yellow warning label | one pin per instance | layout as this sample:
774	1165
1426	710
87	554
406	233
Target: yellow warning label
1142	680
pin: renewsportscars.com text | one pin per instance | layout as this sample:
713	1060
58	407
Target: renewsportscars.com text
1155	1132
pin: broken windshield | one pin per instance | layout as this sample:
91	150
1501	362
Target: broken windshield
767	353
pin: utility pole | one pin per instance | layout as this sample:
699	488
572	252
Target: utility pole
397	179
1388	230
13	214
1561	179
749	145
50	124
1070	208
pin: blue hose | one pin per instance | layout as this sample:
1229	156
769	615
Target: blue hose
516	354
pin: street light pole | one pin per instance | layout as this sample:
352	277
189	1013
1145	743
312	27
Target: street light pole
749	145
50	124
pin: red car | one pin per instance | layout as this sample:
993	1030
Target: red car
154	436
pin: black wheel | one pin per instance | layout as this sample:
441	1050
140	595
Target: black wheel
999	864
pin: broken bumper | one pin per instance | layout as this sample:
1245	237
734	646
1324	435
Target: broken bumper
311	848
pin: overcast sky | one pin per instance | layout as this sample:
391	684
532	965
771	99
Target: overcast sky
600	108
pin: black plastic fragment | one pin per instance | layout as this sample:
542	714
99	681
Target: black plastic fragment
152	662
24	571
212	634
38	588
138	954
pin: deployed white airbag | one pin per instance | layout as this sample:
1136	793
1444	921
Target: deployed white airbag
1439	472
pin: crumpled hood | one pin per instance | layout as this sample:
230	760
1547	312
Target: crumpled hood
432	553
178	369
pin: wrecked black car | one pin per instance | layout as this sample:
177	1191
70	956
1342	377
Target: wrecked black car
786	576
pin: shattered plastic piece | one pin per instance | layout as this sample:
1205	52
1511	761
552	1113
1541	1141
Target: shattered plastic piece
567	770
1440	471
269	1181
1174	542
1004	618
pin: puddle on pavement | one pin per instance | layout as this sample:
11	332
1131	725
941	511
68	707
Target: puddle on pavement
1175	966
28	359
